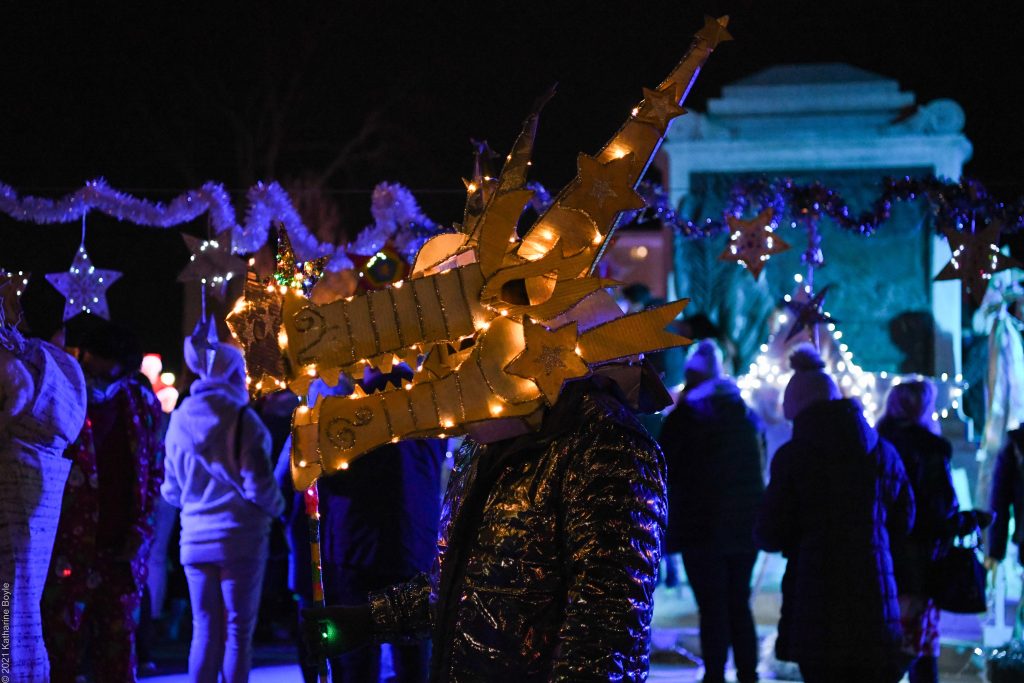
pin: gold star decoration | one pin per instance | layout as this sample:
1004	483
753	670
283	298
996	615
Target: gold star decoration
976	257
753	242
713	32
604	190
550	358
211	264
255	322
659	107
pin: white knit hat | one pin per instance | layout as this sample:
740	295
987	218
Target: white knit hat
706	359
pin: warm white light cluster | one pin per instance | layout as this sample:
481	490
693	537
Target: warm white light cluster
765	382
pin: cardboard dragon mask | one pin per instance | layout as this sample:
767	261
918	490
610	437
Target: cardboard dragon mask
494	324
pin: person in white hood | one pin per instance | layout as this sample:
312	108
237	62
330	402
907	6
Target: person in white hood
219	472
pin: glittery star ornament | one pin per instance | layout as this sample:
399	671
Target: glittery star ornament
255	322
976	257
659	107
550	358
300	276
753	242
84	286
809	313
211	264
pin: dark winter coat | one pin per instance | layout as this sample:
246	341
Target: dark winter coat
713	450
925	458
549	553
837	493
1007	490
378	518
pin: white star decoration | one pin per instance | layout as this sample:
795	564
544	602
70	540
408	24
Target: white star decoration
84	286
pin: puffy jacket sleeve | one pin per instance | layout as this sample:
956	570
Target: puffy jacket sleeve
775	527
257	469
1001	498
614	519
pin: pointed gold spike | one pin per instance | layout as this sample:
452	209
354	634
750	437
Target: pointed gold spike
714	31
496	225
513	174
642	332
638	140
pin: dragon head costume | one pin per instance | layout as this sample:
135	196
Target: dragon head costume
495	324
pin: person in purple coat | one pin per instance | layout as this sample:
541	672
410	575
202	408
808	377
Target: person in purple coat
908	426
838	493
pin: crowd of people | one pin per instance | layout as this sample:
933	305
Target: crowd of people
540	561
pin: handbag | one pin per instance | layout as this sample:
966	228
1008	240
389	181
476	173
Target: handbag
958	578
1006	664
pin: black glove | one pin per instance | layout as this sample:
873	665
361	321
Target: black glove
331	631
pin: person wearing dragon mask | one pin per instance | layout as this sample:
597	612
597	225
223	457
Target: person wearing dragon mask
553	520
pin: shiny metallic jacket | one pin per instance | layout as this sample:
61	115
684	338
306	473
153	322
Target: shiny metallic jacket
548	553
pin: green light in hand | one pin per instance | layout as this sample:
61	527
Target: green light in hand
330	635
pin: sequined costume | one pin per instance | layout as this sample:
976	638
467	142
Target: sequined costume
548	553
91	592
42	408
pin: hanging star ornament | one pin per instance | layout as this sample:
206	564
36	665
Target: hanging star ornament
211	264
753	242
84	286
255	322
976	257
550	358
809	313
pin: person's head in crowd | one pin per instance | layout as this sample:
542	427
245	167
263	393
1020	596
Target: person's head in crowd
911	402
636	296
703	364
107	351
810	383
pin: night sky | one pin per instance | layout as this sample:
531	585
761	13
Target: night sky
158	102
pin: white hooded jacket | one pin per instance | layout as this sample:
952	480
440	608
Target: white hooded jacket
218	463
